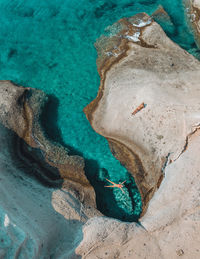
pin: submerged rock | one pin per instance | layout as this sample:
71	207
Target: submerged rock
148	108
163	18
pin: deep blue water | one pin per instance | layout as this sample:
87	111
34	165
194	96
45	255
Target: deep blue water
49	45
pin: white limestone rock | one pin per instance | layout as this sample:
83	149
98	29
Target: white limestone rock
164	136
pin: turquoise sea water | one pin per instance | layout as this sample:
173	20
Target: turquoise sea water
49	45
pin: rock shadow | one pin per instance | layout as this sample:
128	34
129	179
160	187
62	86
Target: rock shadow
49	124
27	200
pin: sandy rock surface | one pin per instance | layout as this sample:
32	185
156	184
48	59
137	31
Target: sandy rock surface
148	104
159	75
169	229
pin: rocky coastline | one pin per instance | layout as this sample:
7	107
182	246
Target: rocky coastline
147	108
45	191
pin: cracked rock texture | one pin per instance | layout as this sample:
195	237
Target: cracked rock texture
159	143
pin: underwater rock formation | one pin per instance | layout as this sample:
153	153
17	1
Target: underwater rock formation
148	109
45	195
163	19
193	17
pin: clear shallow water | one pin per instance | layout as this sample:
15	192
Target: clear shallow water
49	45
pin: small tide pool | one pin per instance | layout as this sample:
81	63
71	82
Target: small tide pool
49	45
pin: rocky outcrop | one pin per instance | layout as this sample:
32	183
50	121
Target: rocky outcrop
20	111
45	195
148	109
141	67
170	228
193	17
